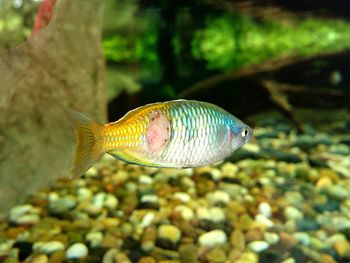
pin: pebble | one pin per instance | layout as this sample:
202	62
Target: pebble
148	239
183	197
216	255
48	247
170	233
77	250
264	220
24	214
258	246
94	238
271	238
40	259
292	213
185	212
218	197
342	247
265	209
302	237
212	238
237	240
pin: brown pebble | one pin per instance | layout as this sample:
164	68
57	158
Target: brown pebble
253	235
40	259
147	260
149	238
216	255
342	247
57	257
237	240
327	259
287	240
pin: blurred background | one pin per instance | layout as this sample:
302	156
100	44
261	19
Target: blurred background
226	52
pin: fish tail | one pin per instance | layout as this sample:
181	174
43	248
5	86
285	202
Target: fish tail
89	148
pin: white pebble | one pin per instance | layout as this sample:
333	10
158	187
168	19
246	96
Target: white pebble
84	194
302	237
147	220
292	213
258	246
24	214
265	209
77	250
145	179
48	247
94	238
203	213
183	197
263	220
149	199
217	197
271	238
229	169
185	212
213	238
110	202
217	214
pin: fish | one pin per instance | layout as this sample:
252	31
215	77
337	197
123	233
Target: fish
174	134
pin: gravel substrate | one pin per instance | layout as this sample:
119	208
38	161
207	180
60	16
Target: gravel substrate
284	197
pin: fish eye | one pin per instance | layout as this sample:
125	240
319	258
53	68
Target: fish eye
245	132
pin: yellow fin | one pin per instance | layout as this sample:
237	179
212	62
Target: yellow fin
88	150
129	157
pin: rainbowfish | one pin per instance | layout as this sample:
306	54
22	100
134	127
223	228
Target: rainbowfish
177	134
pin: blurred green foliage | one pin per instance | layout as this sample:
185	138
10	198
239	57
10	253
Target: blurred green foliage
225	45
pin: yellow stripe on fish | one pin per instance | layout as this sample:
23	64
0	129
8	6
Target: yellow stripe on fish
177	134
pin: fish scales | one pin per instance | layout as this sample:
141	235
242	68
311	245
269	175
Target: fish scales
175	134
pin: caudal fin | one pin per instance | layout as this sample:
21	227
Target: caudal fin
88	149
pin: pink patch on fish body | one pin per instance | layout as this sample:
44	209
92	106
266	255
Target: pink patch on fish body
158	132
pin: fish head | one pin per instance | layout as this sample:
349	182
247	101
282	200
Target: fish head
241	133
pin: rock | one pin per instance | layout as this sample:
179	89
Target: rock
94	238
77	250
258	246
109	256
149	201
48	247
292	213
169	233
216	255
121	257
237	240
265	209
289	260
84	194
229	169
148	239
342	247
287	240
212	238
336	191
271	238
302	237
40	259
307	224
147	220
248	257
217	214
61	205
264	220
185	212
188	253
24	214
218	197
183	197
147	260
334	238
329	205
